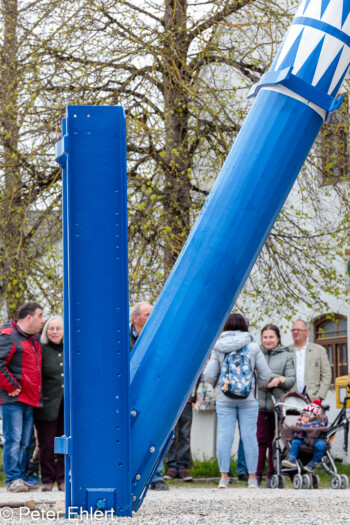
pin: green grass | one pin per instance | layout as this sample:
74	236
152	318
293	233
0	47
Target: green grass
2	475
205	469
209	469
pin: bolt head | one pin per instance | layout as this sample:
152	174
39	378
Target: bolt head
101	504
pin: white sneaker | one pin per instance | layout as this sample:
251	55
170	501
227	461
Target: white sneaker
17	486
223	483
252	484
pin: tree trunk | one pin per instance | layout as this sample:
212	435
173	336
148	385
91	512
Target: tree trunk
177	197
13	210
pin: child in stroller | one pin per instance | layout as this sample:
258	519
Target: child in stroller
312	417
287	411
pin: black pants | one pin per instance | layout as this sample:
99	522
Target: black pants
179	451
265	434
51	464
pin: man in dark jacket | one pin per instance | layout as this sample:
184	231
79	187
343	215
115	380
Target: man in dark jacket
20	391
139	316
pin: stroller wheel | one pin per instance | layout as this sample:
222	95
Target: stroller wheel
306	481
336	481
281	481
316	481
297	481
274	481
344	481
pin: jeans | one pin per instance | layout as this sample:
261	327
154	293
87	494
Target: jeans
179	451
246	412
241	464
157	476
17	427
319	446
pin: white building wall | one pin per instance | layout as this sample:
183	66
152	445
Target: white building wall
204	435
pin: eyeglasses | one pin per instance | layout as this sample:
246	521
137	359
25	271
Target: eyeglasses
298	330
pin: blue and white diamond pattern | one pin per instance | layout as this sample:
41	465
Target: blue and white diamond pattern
317	44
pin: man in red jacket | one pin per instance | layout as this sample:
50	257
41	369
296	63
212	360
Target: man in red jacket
20	390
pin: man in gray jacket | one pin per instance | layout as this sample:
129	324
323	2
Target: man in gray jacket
311	364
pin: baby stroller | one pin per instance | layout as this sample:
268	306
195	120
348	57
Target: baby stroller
287	410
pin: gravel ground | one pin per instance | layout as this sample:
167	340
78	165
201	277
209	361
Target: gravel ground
204	506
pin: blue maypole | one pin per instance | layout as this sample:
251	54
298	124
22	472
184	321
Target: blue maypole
292	101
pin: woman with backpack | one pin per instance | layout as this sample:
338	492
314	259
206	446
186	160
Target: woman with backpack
237	368
283	377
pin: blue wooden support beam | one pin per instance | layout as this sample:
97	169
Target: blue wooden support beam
92	154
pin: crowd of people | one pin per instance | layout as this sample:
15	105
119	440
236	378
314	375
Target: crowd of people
244	374
272	370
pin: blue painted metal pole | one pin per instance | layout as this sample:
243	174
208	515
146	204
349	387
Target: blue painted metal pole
68	383
293	100
92	154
